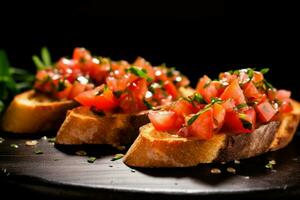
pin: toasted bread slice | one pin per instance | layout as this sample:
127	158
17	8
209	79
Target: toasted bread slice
83	126
161	149
32	112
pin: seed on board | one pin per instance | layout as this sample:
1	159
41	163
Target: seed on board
215	171
1	140
231	170
81	153
44	138
15	146
31	142
237	162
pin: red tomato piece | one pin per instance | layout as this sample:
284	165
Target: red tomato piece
202	127
257	77
171	89
141	62
234	92
265	111
286	106
65	92
282	94
77	89
228	105
251	91
183	107
106	101
206	89
218	115
81	54
237	123
166	120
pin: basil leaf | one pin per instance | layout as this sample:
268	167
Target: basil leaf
264	70
38	63
242	105
192	119
46	57
250	73
199	98
4	64
147	104
138	72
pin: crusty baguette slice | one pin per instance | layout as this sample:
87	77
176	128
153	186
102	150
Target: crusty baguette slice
83	126
31	112
161	149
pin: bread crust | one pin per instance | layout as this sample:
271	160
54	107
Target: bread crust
161	149
83	126
32	112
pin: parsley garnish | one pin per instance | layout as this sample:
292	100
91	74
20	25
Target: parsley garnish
15	146
117	93
61	85
117	157
139	72
45	60
264	70
268	85
91	159
194	117
38	151
242	105
147	104
245	122
250	73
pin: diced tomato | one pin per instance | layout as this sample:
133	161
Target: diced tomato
286	106
141	62
243	77
171	89
81	54
166	120
106	101
77	88
218	115
183	107
228	105
250	91
98	72
118	84
220	88
265	111
271	94
206	89
252	116
234	92
65	92
237	123
282	94
102	99
257	77
202	127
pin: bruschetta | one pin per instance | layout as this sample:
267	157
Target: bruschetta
113	112
238	116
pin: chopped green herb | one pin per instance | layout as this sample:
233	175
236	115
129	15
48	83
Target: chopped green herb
250	73
61	85
245	122
264	70
55	159
236	72
198	98
15	146
91	159
37	151
242	105
81	153
138	72
170	72
53	139
215	100
38	63
193	118
268	85
118	93
147	104
117	157
270	164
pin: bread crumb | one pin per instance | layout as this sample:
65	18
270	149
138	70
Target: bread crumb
231	170
215	171
31	142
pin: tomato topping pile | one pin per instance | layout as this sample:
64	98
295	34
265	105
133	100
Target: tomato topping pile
238	102
110	86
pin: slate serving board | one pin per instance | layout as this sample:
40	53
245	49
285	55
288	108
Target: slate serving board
58	172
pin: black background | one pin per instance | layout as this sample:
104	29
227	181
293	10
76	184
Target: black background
195	38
